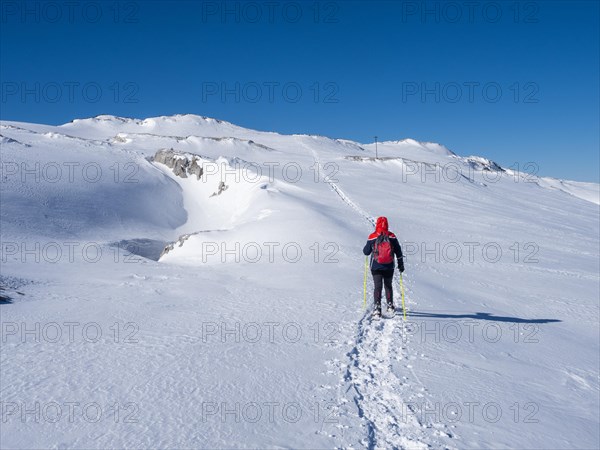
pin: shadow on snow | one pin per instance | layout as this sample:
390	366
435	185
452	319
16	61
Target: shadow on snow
478	316
5	299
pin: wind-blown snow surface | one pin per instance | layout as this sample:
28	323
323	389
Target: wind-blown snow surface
250	332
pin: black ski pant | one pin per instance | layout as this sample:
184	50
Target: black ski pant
383	278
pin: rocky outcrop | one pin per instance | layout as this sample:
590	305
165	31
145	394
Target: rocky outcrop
178	243
182	164
222	187
479	163
7	140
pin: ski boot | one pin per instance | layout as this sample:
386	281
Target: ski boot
376	312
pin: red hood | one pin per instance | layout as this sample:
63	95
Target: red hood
382	225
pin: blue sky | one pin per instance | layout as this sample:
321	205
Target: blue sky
516	82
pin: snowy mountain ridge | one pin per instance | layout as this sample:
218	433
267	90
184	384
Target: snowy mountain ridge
250	331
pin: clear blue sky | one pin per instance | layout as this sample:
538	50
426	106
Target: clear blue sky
512	81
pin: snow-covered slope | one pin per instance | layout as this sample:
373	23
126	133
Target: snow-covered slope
248	330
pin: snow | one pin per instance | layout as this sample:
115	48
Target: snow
250	331
585	191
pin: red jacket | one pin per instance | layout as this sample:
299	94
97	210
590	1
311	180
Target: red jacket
380	228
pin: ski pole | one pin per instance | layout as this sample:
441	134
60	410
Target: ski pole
365	283
402	292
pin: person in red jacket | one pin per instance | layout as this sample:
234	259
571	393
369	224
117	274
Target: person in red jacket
383	245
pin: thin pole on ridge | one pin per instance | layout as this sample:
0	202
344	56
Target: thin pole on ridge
402	293
365	283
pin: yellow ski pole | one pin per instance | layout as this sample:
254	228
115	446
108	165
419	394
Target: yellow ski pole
402	291
365	283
